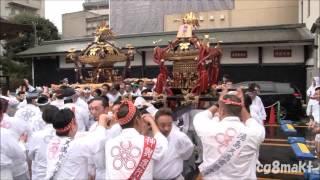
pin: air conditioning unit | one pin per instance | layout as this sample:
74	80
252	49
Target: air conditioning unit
177	20
221	17
201	18
211	18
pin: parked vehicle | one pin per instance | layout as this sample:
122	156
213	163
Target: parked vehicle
288	94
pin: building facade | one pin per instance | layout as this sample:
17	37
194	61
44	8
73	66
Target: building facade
84	23
245	13
13	7
145	16
309	13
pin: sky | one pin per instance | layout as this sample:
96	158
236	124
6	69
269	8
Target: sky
55	8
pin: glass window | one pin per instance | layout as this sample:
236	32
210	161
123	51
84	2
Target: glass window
12	12
284	88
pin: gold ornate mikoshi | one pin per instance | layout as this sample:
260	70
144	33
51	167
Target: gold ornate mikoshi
102	51
101	54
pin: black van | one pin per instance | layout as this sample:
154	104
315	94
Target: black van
288	94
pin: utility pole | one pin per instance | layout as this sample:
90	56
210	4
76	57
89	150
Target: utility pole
35	34
35	44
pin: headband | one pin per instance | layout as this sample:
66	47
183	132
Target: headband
229	101
131	111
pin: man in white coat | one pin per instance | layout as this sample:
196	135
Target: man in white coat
82	115
13	164
314	109
311	92
58	102
30	112
67	155
180	147
17	126
97	164
37	144
131	155
230	142
257	109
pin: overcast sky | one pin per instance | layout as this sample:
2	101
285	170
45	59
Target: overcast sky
55	8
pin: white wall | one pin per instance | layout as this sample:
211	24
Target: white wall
297	55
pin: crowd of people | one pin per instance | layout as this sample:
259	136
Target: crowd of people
313	112
85	133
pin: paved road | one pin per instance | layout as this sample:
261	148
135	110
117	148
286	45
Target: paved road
276	148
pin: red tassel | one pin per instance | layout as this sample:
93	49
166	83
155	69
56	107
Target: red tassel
272	117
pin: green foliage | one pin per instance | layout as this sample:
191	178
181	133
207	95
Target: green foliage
45	29
14	66
16	71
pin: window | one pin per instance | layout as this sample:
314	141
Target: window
282	53
239	54
12	12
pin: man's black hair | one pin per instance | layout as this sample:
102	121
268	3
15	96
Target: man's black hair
116	86
252	86
48	113
163	111
146	91
98	92
4	91
140	80
4	105
247	101
61	119
106	85
21	92
104	101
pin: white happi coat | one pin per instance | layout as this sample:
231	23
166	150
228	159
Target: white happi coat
310	93
131	142
80	102
313	109
180	148
112	98
37	150
81	115
13	159
98	160
58	103
218	137
74	165
257	110
31	114
16	125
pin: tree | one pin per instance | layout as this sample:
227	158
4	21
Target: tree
14	66
45	31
